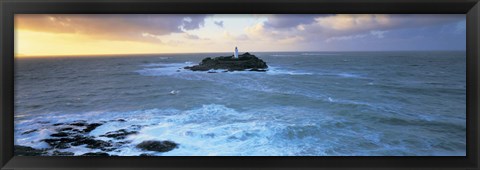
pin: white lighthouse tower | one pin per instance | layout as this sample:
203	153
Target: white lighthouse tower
236	53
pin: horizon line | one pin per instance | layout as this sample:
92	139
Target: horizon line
131	54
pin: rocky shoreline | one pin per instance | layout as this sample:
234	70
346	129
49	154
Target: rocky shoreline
77	133
244	62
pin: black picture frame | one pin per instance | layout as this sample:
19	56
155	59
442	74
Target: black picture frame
9	8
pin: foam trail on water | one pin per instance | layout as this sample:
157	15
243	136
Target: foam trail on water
273	70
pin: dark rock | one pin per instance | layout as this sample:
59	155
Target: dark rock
121	120
124	142
77	140
68	130
58	153
58	124
144	154
60	134
90	142
91	127
60	143
27	151
119	134
72	134
159	146
96	154
28	132
244	62
63	146
68	136
79	124
108	150
137	127
65	129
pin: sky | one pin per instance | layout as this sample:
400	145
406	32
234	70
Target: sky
107	34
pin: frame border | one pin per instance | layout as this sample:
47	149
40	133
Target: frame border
10	7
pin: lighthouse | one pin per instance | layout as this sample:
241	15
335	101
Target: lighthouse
236	53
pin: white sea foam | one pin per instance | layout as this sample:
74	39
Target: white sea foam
163	69
169	69
219	130
208	130
330	99
177	70
282	55
164	58
348	75
153	65
272	70
342	75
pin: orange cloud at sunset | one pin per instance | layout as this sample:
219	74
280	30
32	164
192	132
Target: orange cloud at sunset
51	44
106	34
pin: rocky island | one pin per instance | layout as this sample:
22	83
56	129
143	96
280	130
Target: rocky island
244	62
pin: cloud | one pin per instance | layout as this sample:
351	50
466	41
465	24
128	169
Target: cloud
219	23
259	32
191	22
378	34
350	37
152	36
227	35
289	21
375	34
242	37
191	37
292	39
368	22
342	26
110	26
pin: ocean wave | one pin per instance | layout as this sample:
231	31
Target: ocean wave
215	129
348	75
279	71
153	65
247	80
282	55
342	75
164	69
209	130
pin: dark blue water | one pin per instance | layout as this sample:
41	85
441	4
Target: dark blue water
307	103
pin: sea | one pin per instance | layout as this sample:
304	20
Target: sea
406	103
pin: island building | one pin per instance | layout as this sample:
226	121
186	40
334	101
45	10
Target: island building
236	52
